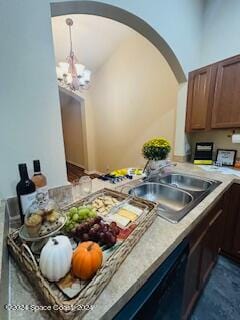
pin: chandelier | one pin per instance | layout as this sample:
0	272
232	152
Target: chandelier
71	73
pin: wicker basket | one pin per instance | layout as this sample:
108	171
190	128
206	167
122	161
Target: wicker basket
49	292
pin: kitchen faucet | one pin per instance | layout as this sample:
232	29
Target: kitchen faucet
158	170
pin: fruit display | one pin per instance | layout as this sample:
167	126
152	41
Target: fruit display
104	204
55	258
95	229
75	216
87	259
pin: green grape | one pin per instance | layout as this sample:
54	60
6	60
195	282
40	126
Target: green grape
71	226
75	217
73	211
92	213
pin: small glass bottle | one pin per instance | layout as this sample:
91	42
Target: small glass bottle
40	182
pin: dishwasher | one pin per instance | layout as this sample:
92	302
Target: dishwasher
161	297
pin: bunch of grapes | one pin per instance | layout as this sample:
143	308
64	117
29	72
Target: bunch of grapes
78	215
95	229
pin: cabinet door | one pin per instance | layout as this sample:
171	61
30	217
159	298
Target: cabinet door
231	241
192	278
211	246
205	242
200	98
226	106
236	238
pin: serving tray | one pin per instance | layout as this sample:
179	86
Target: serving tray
64	307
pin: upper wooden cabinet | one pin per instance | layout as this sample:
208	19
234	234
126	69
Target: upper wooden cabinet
200	98
226	106
214	96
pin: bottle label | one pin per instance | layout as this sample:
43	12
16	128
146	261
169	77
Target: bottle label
27	200
42	196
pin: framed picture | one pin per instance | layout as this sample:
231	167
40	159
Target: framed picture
226	157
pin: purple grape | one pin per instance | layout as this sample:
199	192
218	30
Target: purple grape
105	228
96	227
91	222
98	219
102	237
113	225
113	240
85	237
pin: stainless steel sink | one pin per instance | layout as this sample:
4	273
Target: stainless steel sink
166	196
175	194
186	182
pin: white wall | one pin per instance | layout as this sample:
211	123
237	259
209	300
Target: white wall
179	22
30	123
221	33
134	98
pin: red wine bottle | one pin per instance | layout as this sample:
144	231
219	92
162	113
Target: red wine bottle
26	191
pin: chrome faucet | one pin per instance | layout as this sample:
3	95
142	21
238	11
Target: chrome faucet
159	170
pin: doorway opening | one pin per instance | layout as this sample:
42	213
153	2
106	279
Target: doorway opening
133	90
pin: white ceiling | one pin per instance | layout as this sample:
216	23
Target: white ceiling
94	38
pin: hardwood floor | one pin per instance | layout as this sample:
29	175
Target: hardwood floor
74	172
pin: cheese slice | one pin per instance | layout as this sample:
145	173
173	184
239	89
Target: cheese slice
121	221
133	209
127	214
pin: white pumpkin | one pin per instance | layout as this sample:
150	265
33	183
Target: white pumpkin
56	257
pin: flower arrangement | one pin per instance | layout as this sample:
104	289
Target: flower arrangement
156	149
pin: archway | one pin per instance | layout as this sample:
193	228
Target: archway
127	18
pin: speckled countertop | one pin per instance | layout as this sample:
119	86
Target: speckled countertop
153	248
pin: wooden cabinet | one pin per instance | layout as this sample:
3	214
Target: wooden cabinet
214	96
231	240
226	106
192	278
200	98
205	243
212	242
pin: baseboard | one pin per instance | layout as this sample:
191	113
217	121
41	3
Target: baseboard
76	164
93	172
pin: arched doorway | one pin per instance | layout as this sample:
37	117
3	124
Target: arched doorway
127	18
132	21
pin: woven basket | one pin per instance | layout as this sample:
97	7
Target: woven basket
50	294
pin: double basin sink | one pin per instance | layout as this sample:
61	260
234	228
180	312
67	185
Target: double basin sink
174	193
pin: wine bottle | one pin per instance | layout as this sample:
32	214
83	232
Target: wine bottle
40	182
26	191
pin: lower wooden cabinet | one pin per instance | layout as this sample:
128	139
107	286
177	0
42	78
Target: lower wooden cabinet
205	243
231	240
218	231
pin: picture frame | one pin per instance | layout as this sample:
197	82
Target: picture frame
226	157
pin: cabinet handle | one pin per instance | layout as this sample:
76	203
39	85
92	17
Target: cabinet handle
215	218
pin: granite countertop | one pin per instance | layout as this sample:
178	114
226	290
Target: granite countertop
155	245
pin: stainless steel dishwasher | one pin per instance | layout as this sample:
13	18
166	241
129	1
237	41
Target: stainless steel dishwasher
161	297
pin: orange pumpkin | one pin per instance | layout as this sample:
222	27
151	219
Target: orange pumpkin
87	259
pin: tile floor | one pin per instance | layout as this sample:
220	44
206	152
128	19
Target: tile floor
220	299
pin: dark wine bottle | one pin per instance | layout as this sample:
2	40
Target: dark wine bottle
26	190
